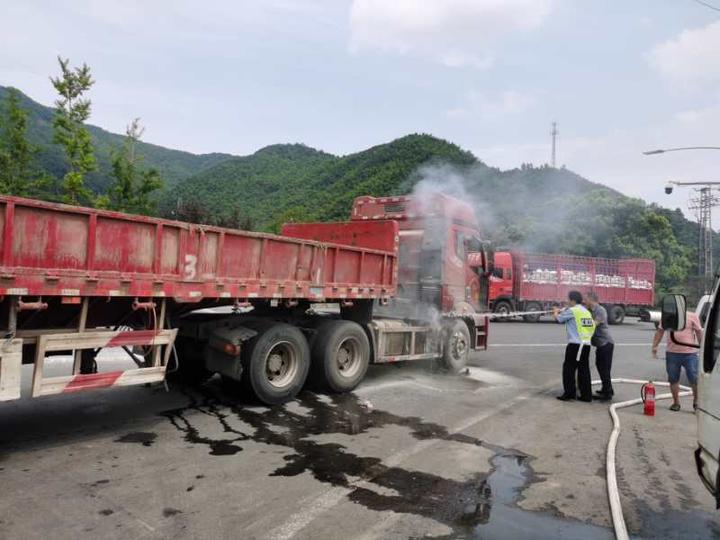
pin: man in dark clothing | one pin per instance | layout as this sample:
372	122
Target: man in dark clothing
604	346
579	326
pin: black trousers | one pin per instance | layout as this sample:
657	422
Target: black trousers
603	363
581	366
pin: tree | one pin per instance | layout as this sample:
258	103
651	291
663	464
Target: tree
133	187
17	175
72	111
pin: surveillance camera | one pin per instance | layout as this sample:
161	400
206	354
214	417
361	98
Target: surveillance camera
668	189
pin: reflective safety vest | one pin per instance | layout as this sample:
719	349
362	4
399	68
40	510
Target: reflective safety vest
584	323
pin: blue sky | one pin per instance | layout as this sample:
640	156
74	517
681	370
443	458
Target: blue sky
490	75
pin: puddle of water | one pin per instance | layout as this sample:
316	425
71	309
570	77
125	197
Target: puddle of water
510	475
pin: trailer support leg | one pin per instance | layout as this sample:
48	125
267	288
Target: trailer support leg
12	318
78	355
160	324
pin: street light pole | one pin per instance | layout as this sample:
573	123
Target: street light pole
703	205
664	150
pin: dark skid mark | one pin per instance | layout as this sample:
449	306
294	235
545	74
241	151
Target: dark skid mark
141	437
169	512
106	512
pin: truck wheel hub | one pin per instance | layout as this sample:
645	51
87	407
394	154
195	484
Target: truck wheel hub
343	358
459	345
348	357
275	364
281	365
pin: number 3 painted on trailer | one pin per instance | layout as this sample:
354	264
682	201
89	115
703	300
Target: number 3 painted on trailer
190	266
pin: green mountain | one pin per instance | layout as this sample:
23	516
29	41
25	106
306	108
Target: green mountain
173	165
292	182
535	208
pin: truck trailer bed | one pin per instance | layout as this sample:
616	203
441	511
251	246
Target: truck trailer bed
50	249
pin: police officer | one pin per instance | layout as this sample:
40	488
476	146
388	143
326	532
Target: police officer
604	346
580	327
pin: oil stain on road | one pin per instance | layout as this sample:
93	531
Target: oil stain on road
481	505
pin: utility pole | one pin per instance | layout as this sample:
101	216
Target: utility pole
702	202
554	134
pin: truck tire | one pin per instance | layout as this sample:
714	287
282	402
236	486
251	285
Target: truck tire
457	347
503	307
340	356
275	363
616	314
191	362
532	306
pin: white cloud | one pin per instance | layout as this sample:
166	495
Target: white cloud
488	108
691	57
455	33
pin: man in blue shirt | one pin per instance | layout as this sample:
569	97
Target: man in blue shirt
579	326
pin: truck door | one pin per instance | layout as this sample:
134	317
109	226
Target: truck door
707	456
455	267
501	280
476	273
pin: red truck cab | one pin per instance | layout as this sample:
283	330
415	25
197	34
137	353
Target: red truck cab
442	260
501	277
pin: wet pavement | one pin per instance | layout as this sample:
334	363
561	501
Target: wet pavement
411	454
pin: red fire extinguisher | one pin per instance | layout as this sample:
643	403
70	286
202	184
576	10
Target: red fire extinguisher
647	393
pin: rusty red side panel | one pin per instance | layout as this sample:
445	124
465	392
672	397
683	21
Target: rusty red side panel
380	235
58	250
347	266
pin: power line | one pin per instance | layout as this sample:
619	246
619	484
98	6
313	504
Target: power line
706	5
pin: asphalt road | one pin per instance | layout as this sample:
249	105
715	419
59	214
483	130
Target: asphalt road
412	453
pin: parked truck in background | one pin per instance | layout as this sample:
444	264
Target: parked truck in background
531	282
78	280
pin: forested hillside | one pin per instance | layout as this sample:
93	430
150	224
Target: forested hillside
173	165
536	208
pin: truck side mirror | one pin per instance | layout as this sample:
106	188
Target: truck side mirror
674	312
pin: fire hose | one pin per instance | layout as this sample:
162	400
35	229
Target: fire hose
518	314
613	493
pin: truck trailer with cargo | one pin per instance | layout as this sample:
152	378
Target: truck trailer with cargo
191	300
532	283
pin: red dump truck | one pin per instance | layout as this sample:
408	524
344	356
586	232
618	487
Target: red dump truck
531	282
191	300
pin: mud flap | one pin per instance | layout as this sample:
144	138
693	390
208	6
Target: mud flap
10	369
